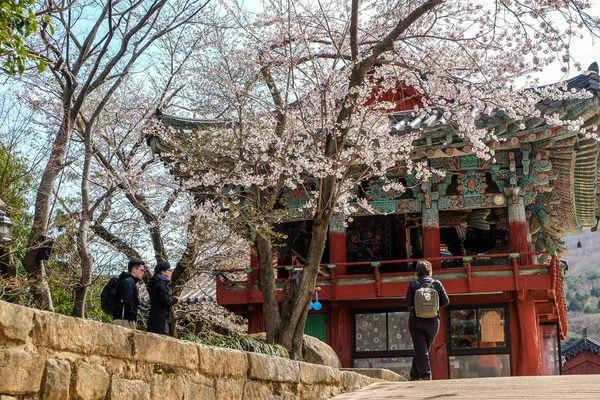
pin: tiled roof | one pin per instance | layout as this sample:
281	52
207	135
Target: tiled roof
591	81
581	345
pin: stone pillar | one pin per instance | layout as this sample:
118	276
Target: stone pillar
530	358
519	242
431	233
337	243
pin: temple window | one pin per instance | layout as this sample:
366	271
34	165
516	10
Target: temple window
382	340
479	342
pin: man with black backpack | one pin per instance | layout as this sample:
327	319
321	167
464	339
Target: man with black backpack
424	298
127	299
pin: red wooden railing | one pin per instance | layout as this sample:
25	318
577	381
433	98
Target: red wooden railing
471	279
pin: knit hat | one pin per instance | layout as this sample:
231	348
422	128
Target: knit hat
162	266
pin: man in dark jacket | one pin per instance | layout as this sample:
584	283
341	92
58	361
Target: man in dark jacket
128	300
423	330
160	300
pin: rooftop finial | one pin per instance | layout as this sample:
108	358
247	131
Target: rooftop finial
593	67
585	333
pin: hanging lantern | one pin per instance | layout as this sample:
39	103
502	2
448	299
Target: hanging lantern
579	244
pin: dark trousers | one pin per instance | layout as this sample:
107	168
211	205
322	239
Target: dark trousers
422	332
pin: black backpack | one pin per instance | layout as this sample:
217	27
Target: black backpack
108	297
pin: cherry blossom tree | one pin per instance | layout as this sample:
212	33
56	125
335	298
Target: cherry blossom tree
298	96
95	46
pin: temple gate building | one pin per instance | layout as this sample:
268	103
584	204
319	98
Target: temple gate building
491	228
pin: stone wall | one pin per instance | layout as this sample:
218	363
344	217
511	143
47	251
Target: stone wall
51	356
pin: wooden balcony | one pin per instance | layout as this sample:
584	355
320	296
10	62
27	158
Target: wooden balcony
469	279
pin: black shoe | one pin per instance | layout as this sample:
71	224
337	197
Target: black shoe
426	378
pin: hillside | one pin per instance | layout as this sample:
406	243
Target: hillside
586	257
582	284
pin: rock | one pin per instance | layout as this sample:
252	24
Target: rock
167	387
311	373
156	349
274	369
121	389
197	391
91	381
257	391
15	322
353	381
378	373
230	389
317	352
313	351
21	372
80	336
222	362
58	378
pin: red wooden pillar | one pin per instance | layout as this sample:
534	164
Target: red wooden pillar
337	243
402	251
340	331
518	241
438	354
431	233
529	350
256	321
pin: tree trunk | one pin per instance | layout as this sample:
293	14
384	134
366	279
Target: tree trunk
292	325
34	267
8	267
86	268
268	288
84	229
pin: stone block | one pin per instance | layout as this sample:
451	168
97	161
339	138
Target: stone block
195	390
15	322
124	389
231	389
4	397
81	336
311	373
274	369
377	373
91	381
353	381
214	361
155	349
167	387
58	379
256	390
21	372
319	391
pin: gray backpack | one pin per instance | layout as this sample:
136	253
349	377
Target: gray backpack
427	301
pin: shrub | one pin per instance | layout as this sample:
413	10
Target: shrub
243	343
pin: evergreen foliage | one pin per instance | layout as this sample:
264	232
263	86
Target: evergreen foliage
17	22
244	343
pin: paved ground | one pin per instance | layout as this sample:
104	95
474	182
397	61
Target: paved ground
565	387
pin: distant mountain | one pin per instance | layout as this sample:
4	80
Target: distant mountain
582	260
587	256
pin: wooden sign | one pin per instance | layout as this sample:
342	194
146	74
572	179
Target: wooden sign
492	329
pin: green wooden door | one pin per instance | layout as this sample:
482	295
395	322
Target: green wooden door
316	326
